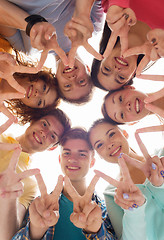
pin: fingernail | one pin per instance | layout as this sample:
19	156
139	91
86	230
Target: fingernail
153	166
125	196
153	40
130	21
162	173
126	16
120	155
130	208
135	205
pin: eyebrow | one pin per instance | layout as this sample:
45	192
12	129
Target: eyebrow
105	74
116	80
115	117
108	131
44	102
49	126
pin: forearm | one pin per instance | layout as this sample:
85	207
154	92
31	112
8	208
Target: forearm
12	16
9	222
83	7
36	233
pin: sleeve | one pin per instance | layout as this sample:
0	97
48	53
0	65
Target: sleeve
158	192
97	16
134	224
106	231
121	3
16	41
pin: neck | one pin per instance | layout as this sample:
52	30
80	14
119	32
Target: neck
136	174
22	141
80	186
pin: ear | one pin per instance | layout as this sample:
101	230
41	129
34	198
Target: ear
59	159
132	123
92	163
129	87
88	69
125	134
53	147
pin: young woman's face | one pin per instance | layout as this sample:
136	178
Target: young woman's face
108	141
74	83
38	94
156	38
115	71
126	105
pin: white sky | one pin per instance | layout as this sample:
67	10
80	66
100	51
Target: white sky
85	115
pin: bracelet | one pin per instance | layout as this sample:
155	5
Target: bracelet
31	20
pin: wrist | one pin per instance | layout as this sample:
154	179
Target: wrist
32	20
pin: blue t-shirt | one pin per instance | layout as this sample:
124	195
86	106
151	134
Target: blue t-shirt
64	229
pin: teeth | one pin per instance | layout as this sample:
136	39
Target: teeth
30	91
118	149
121	62
137	106
37	139
74	168
69	69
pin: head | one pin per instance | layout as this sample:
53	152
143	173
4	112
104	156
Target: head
77	155
108	140
124	106
74	84
45	131
156	38
114	71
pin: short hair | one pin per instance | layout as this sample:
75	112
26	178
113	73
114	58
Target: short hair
76	133
59	115
96	63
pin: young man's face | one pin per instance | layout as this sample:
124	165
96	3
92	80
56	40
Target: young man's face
75	159
43	134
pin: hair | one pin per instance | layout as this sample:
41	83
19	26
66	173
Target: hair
104	112
81	100
76	133
59	115
96	63
17	107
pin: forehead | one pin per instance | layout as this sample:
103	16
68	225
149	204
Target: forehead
77	91
76	144
100	130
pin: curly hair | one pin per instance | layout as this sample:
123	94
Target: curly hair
17	107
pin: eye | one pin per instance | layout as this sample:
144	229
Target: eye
67	85
122	115
40	102
120	98
107	69
53	136
111	134
44	124
82	155
66	153
44	87
122	78
82	82
99	145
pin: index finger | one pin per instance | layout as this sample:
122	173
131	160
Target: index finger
13	83
151	129
42	59
91	188
41	184
155	109
110	45
154	96
71	56
14	159
151	77
70	189
142	146
62	55
92	51
107	178
58	188
124	170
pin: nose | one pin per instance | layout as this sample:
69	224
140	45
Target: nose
128	106
72	77
117	68
43	134
110	145
73	158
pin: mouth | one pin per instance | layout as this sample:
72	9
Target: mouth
29	92
73	168
121	61
116	152
69	70
137	105
37	138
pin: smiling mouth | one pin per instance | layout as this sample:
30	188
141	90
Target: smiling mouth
30	90
69	70
121	61
116	152
137	105
73	168
37	139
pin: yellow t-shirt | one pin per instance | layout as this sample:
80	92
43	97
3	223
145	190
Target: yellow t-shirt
5	46
30	186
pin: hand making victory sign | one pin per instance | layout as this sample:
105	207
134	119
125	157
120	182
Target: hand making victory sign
153	168
44	210
128	195
119	21
10	181
86	213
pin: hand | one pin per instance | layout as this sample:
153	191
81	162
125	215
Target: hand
86	213
146	49
79	29
4	110
119	21
43	37
10	181
44	210
128	195
153	97
153	167
8	66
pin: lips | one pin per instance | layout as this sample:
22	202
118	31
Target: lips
116	152
138	105
121	61
37	138
30	90
69	70
73	168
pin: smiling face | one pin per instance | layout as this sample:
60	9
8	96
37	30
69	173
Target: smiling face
126	105
156	38
74	83
38	94
115	71
75	159
43	134
109	141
